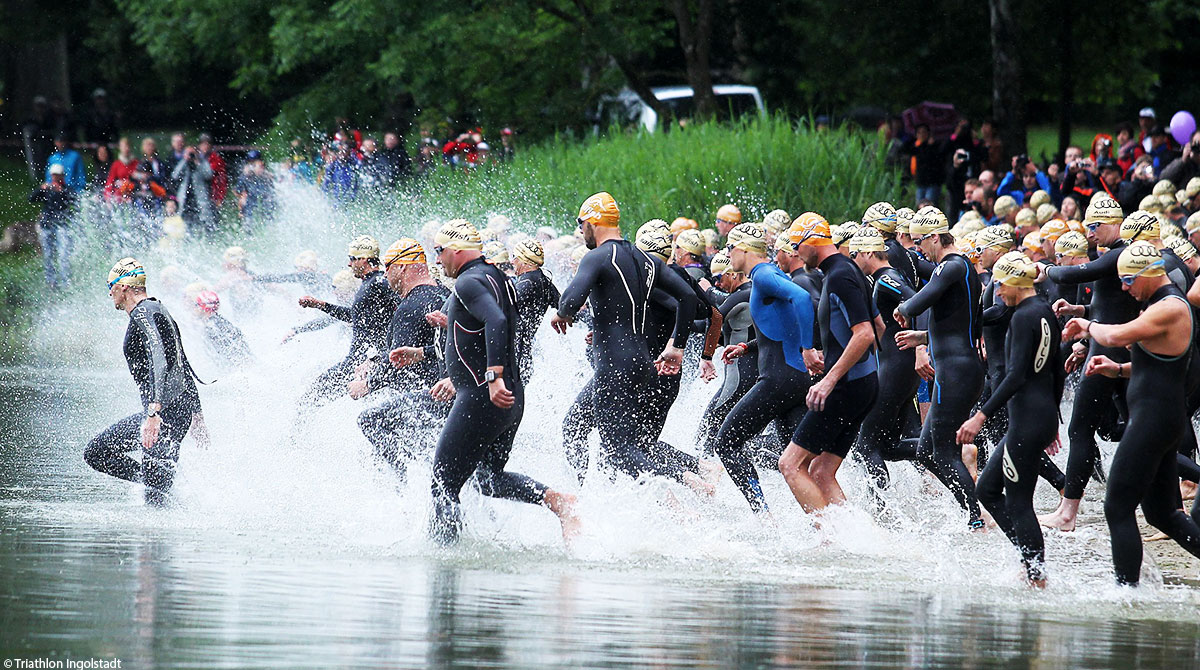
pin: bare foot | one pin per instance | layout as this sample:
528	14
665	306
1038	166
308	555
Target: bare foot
1059	521
1187	489
563	506
699	485
711	471
970	456
1158	537
1039	584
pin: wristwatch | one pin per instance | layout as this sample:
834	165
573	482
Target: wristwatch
151	413
489	376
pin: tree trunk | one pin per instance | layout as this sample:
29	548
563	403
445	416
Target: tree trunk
1008	103
695	37
1066	76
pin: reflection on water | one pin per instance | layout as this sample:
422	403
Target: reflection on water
86	571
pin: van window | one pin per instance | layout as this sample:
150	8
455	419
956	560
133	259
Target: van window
728	106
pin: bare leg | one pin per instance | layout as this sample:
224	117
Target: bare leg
563	506
793	464
823	470
1062	518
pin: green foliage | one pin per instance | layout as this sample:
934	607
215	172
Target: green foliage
760	165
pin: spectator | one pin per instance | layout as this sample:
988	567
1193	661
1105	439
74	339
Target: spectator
1023	180
1126	146
102	123
220	172
995	160
150	163
1160	149
927	165
1183	169
178	143
1102	147
507	150
371	171
897	138
72	163
1146	123
57	201
119	185
341	176
429	151
962	170
397	165
1071	210
38	136
255	192
300	167
194	175
103	159
1139	185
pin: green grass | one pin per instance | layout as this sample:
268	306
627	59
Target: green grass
14	192
1044	139
18	271
759	165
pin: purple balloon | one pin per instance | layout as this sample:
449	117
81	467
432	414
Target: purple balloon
1183	124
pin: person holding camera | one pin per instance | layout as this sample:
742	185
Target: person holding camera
1182	169
194	176
1139	184
1024	179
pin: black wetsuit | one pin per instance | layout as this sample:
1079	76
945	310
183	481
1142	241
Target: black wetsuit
1031	388
953	296
368	316
737	328
478	436
617	278
902	261
154	352
898	380
1144	465
1094	399
226	339
783	317
535	294
845	303
406	425
316	283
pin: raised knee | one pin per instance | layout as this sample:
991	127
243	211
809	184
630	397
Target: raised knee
93	454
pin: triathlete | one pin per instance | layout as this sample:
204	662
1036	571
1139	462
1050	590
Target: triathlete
535	294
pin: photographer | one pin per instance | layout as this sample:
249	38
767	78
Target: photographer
194	176
58	203
1182	169
1024	179
963	168
1139	184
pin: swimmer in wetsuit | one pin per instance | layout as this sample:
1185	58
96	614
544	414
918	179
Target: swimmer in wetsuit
952	296
618	280
368	316
737	327
1160	377
1094	398
167	385
783	320
839	402
489	399
226	339
535	294
405	427
1031	388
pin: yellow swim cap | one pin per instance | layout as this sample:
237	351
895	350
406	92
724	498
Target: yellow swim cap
499	223
364	246
719	265
691	241
750	237
1045	213
1038	199
783	242
994	237
777	221
882	216
234	256
495	252
600	210
1150	203
654	241
488	235
729	214
305	260
867	239
1192	224
810	229
345	281
1015	269
841	233
1140	259
578	253
904	217
127	272
711	239
655	224
679	225
1103	210
929	221
1183	249
530	251
1141	225
1026	218
1071	244
1053	230
1004	205
1032	241
404	251
1164	187
460	235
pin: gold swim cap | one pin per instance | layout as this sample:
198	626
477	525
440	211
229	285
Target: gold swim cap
1026	218
1150	203
1183	249
1004	205
1141	225
495	252
868	239
711	239
750	237
1164	187
600	210
1015	269
1140	259
346	281
364	246
305	260
729	214
1192	224
719	265
810	229
882	216
1071	244
654	241
460	235
904	218
994	237
691	241
404	251
1038	199
777	221
929	221
1045	213
530	251
127	272
234	256
840	234
1103	210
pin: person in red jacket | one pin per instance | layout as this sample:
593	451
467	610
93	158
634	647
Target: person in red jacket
119	185
220	180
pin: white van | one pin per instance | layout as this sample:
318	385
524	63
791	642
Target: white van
627	109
